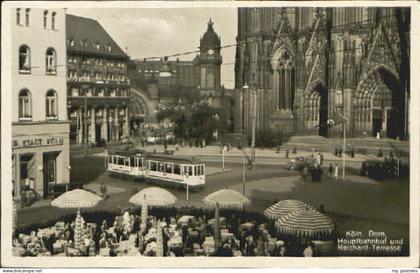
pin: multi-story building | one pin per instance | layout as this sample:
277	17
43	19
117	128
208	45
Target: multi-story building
40	128
155	83
300	65
97	84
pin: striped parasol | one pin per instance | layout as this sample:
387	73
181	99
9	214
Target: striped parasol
153	196
76	199
305	223
285	207
226	198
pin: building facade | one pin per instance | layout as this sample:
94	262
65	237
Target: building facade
97	84
295	67
40	127
156	83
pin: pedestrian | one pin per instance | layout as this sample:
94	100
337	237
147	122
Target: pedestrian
305	173
330	171
318	158
336	151
321	158
287	154
340	151
336	172
103	190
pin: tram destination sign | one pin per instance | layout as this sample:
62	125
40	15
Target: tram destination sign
37	142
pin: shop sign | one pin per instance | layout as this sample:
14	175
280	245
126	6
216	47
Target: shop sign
37	142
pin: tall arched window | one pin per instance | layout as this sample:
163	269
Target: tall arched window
53	20
27	11
25	105
51	104
18	16
45	18
51	61
24	59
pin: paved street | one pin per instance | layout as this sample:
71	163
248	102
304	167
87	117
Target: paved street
358	203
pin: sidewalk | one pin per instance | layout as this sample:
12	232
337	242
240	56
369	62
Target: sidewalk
259	153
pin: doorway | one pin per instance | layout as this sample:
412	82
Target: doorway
323	109
50	172
27	171
98	136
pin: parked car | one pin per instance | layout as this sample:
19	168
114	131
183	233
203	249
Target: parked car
298	163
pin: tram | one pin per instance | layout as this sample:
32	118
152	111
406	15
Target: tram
175	171
127	163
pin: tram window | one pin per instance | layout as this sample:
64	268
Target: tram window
153	166
160	167
168	168
190	170
110	159
120	160
132	162
196	170
203	172
177	169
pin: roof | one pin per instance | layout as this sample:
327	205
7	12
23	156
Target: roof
174	159
130	152
210	38
90	37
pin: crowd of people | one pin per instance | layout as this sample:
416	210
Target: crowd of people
179	236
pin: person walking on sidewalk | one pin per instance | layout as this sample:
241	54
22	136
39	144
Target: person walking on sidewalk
336	172
305	173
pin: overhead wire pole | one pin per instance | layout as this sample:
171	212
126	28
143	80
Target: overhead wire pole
344	149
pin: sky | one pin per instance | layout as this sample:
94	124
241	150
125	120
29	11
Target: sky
164	31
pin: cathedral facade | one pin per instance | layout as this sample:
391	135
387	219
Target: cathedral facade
296	67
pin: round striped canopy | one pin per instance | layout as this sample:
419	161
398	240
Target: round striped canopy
305	223
76	199
226	198
153	196
285	207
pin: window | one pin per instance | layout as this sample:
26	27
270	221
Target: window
25	104
109	48
53	20
97	46
18	16
51	103
177	169
188	170
153	166
133	162
120	160
51	63
161	167
74	92
71	42
24	59
27	17
45	18
168	168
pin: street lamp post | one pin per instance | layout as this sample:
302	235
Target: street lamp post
254	113
243	174
86	125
